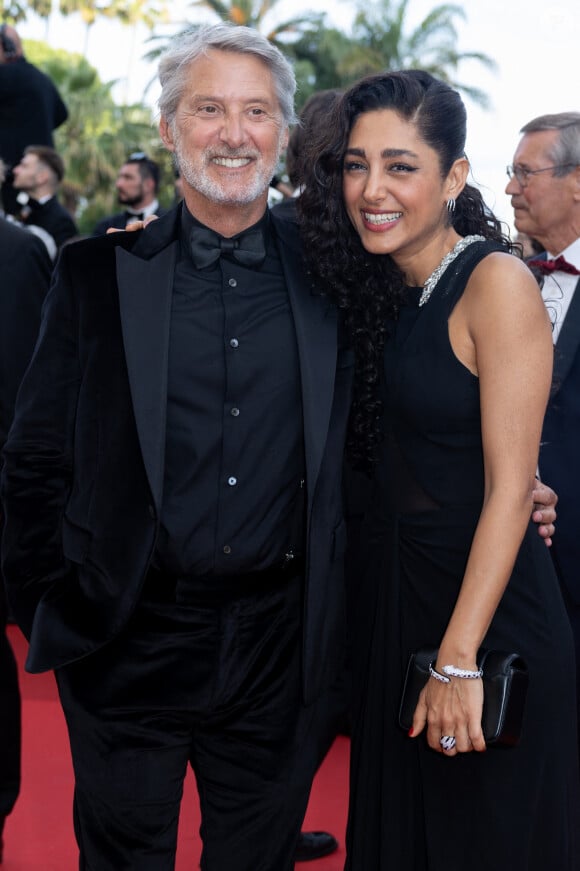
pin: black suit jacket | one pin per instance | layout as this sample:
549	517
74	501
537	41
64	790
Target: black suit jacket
26	270
30	109
560	453
83	466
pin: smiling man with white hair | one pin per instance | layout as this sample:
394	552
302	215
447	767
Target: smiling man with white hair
174	533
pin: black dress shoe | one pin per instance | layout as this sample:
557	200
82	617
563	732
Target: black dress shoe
314	845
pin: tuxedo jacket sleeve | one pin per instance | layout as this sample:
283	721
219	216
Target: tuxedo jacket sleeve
83	467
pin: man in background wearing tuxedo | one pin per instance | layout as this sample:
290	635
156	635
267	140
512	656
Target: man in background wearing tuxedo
137	187
37	178
545	193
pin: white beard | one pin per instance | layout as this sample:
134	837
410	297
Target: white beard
226	193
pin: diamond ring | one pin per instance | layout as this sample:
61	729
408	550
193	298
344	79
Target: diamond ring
447	742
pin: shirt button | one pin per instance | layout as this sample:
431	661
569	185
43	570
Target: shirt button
234	343
232	481
235	412
227	549
232	282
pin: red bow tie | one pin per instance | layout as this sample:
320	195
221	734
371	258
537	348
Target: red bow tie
545	267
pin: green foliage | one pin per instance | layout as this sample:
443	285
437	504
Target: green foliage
319	57
149	12
12	11
98	135
257	13
381	40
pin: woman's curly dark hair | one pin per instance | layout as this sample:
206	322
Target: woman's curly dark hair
368	287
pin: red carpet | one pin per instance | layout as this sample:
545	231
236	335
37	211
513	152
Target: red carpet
38	834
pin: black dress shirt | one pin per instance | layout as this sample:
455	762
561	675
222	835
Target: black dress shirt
234	442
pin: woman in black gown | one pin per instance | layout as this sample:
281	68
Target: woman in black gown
454	358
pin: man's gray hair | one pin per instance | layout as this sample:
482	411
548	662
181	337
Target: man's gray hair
194	43
566	150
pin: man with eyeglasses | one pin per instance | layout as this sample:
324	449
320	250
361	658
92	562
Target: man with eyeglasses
545	193
137	187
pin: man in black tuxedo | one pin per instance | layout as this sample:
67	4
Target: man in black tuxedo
30	108
545	193
137	188
37	177
174	534
25	277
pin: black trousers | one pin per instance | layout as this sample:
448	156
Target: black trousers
207	679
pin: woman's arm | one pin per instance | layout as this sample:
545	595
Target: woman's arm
500	331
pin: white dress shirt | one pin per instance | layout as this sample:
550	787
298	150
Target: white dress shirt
558	288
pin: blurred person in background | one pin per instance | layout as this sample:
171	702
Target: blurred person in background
137	187
26	270
37	179
30	109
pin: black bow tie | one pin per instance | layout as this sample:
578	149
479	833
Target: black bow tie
134	216
546	267
206	247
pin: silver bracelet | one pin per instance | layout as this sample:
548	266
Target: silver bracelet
437	675
463	673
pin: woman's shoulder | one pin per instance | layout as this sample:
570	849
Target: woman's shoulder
501	284
498	267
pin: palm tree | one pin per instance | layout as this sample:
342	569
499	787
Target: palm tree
13	11
381	41
250	13
255	13
130	12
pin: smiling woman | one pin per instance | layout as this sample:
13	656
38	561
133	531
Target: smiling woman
384	185
453	364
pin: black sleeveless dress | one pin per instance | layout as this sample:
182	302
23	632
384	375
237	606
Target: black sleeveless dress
412	809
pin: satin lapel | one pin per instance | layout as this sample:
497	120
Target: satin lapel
145	289
568	341
315	322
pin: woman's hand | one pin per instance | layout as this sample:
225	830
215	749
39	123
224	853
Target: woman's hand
453	710
544	514
133	225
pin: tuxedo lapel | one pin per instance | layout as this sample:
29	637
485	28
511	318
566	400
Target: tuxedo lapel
315	321
568	341
145	291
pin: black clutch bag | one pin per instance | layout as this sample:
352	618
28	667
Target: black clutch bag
505	684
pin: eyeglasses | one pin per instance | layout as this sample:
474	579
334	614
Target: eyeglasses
138	155
522	175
